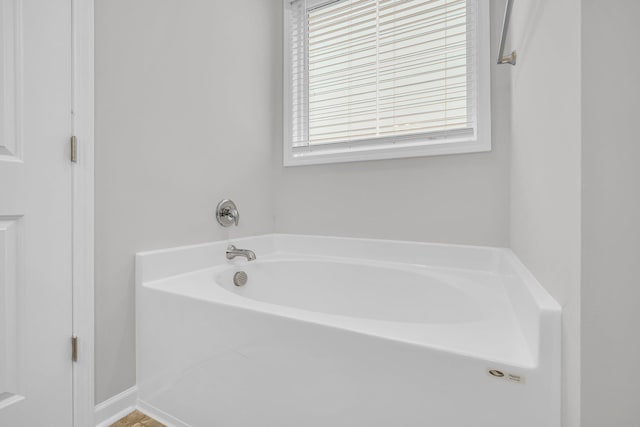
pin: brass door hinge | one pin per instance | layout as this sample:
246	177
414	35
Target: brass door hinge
74	149
74	348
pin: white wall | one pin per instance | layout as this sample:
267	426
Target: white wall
185	116
546	165
174	134
611	214
456	199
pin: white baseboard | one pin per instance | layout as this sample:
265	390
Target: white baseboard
111	410
159	415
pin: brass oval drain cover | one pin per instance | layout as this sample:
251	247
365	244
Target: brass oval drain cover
496	373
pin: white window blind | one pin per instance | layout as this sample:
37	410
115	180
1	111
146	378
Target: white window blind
374	74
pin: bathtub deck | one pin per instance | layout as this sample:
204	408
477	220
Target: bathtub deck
496	338
311	342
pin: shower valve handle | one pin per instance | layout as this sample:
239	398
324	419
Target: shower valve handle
227	213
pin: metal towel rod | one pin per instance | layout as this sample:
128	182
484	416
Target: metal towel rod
508	59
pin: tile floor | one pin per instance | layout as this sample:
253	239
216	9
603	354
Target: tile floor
137	419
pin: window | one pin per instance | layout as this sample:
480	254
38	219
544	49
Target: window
374	79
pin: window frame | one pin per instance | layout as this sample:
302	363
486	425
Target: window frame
381	148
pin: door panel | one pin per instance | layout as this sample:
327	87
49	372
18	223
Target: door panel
35	213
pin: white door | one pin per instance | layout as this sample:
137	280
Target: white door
35	213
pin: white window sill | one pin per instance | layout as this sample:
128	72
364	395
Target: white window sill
343	154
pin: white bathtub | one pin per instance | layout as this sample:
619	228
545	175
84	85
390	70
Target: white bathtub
335	332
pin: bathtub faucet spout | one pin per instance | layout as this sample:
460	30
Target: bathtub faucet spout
233	252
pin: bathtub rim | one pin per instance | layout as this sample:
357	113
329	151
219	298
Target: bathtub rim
539	319
506	260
